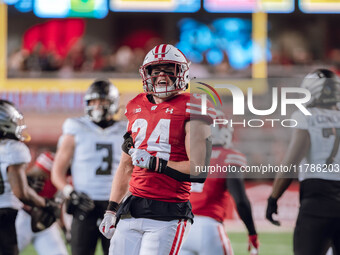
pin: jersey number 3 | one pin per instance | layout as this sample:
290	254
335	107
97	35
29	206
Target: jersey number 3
107	159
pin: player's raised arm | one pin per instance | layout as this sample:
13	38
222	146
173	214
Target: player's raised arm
198	147
198	150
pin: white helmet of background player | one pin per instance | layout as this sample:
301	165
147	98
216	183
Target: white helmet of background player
222	135
101	89
11	122
324	87
161	55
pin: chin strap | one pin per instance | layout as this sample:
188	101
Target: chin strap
105	123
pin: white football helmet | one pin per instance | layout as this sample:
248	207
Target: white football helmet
324	87
161	55
222	135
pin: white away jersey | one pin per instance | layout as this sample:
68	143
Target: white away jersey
12	152
96	156
323	127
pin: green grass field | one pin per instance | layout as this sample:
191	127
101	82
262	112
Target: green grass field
271	244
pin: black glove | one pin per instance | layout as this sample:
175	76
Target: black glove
53	207
43	217
272	209
128	143
79	204
36	183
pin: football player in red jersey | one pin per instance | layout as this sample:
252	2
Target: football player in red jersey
210	200
169	140
49	237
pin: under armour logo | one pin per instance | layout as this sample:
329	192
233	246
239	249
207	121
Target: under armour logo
153	107
169	110
140	160
138	110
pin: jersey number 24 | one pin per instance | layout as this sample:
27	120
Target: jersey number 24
159	138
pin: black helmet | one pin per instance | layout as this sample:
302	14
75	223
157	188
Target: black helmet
324	87
11	122
101	89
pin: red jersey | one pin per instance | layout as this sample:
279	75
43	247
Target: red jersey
160	130
45	162
210	198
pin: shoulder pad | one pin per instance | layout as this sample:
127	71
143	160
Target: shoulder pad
15	152
194	109
72	126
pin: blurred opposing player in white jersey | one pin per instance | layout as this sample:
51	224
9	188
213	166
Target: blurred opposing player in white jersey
209	200
164	128
50	237
317	138
93	143
14	156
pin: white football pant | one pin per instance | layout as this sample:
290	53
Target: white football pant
149	237
207	236
330	251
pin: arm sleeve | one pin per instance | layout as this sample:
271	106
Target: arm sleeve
200	178
237	190
181	177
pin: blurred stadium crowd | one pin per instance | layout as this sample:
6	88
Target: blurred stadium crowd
216	45
84	58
